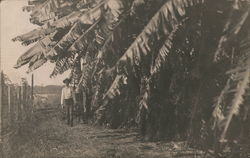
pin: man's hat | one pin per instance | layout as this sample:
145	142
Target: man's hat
66	80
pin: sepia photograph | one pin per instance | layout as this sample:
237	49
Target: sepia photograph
125	79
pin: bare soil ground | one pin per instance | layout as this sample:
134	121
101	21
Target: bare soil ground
47	136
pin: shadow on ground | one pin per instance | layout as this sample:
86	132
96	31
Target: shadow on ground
49	137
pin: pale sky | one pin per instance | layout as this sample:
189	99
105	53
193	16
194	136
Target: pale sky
15	22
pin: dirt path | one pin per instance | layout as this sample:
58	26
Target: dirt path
48	137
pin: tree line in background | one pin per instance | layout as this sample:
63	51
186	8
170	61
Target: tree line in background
177	69
49	89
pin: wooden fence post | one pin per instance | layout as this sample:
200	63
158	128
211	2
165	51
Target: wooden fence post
32	92
9	105
1	106
1	103
25	106
19	116
22	102
16	104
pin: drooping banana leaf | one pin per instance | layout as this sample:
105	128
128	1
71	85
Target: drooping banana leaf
231	29
36	2
159	27
165	50
243	85
240	76
35	58
114	89
155	67
103	37
105	26
63	63
77	35
40	48
82	42
67	40
48	10
92	15
34	35
37	63
27	56
67	20
75	74
88	17
231	98
184	30
85	75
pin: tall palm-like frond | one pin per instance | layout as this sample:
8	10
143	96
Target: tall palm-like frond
49	10
34	35
159	27
231	29
63	64
37	51
114	89
237	84
38	62
75	74
79	45
243	79
78	39
165	50
85	77
239	76
66	42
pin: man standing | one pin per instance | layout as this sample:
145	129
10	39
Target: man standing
67	99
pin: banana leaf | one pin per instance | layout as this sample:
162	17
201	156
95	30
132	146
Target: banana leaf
237	86
67	20
91	16
40	48
34	35
37	49
37	63
49	10
231	29
159	27
75	32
